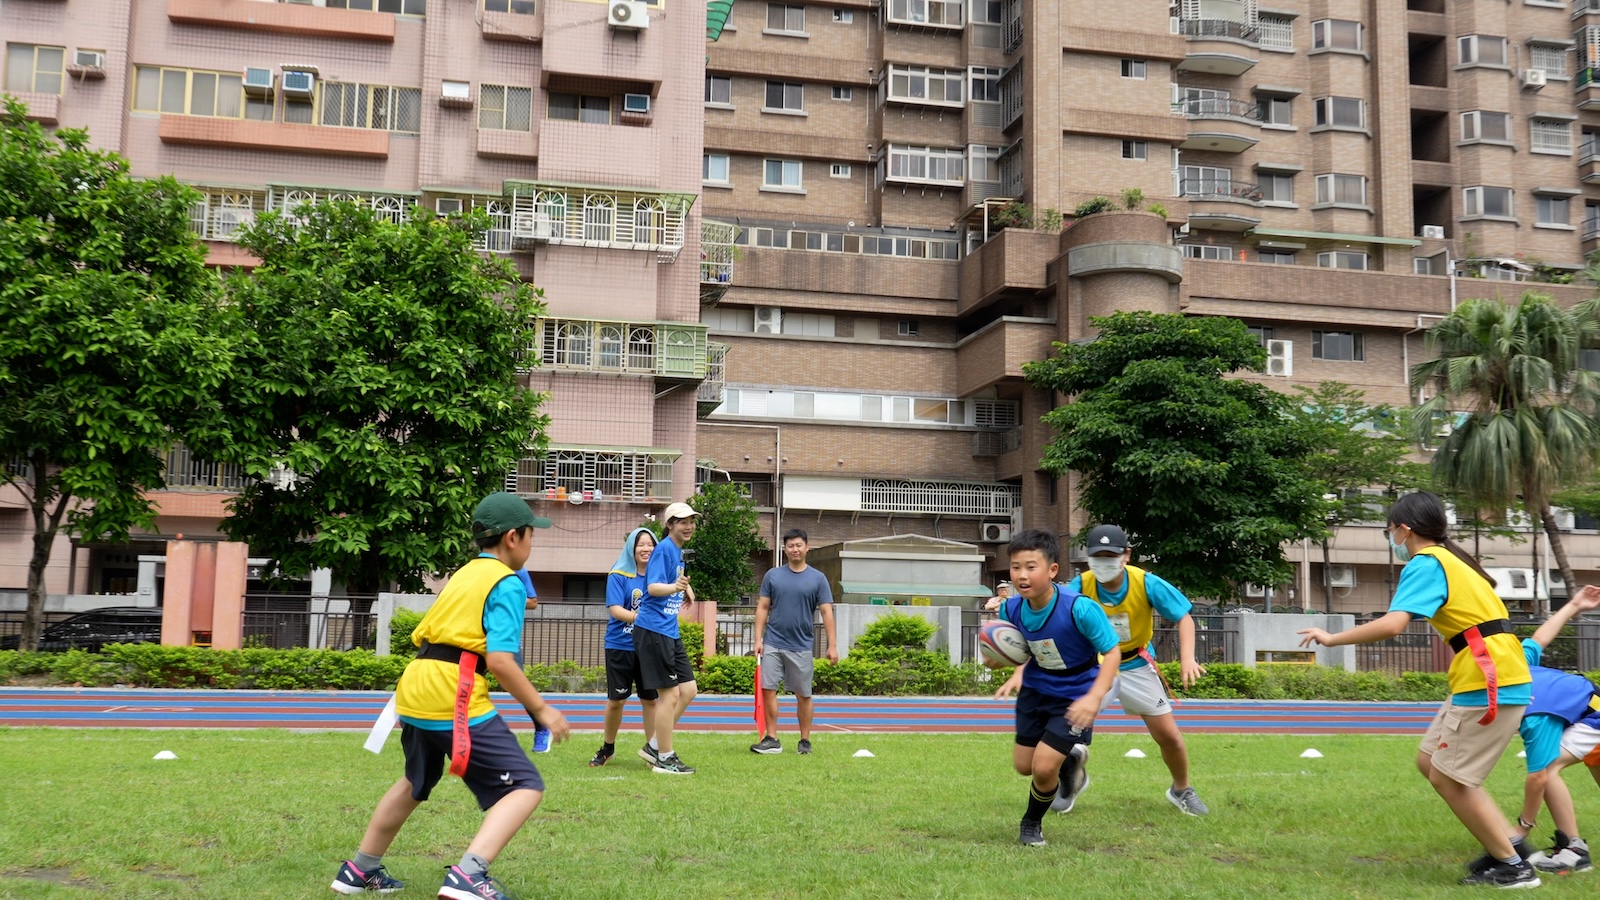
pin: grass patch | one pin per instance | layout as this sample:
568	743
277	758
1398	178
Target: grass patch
270	814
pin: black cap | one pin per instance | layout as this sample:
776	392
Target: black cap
1106	538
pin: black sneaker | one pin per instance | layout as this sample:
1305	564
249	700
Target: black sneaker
768	745
1486	861
803	748
672	765
1032	834
603	755
352	880
1504	875
649	754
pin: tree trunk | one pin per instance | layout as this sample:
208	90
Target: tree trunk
1560	551
1327	581
46	523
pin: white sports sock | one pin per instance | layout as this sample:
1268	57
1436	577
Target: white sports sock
653	744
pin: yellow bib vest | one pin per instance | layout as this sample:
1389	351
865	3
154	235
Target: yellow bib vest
1132	619
427	690
1472	601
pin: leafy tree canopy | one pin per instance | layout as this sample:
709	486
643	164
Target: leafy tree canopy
1357	445
727	535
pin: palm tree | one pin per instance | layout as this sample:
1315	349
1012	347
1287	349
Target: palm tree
1525	404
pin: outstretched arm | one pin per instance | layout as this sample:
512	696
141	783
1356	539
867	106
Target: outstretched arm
1587	599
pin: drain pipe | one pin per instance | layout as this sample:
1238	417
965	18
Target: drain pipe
1405	347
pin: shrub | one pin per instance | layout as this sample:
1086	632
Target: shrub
401	625
1050	220
896	631
1013	215
1132	198
728	675
694	641
1159	209
1094	205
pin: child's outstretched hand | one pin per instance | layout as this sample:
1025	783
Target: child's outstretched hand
1588	598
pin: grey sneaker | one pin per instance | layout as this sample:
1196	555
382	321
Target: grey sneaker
1074	778
1572	858
1032	834
1187	802
803	748
648	754
672	765
767	745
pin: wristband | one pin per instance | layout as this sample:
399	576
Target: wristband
1525	824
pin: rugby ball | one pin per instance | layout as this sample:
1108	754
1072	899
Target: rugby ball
1002	644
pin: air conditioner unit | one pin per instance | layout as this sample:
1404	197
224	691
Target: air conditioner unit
90	59
301	86
1280	358
1533	79
455	94
1254	590
1016	519
447	206
259	82
769	320
1433	232
1566	519
1340	576
638	104
628	15
994	532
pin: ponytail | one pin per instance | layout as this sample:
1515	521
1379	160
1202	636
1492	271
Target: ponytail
1425	515
1464	556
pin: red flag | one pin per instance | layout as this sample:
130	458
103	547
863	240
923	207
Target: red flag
761	708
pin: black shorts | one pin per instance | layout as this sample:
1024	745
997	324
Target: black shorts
1042	718
622	674
496	767
663	663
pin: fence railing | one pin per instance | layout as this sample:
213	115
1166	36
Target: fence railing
1420	649
1216	638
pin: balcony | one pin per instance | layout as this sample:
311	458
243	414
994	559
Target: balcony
248	134
595	474
42	108
936	15
997	352
1214	109
709	395
284	18
597	217
670	350
1012	262
1589	159
1215	203
185	472
717	255
1586	88
1214	42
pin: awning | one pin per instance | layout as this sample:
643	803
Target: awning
1332	236
915	590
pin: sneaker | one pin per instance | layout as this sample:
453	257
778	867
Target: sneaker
1188	802
649	754
603	755
672	765
1032	834
1504	875
768	745
803	748
458	885
1074	778
1572	858
1486	861
352	880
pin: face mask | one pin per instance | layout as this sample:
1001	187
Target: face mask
1401	552
1105	568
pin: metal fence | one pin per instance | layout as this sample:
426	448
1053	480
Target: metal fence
1420	649
11	622
1216	638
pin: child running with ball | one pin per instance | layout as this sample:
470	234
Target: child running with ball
1073	658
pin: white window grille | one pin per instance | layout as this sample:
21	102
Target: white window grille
289	200
1276	33
376	106
186	472
996	413
219	215
505	108
497	239
649	221
1550	136
597	474
1011	96
945	497
1551	59
1011	28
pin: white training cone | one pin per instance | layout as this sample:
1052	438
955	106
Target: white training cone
1135	753
1522	755
863	753
1311	753
166	754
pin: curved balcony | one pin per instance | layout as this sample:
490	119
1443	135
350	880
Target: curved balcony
1212	137
1209	52
1215	202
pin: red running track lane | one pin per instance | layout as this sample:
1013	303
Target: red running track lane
342	710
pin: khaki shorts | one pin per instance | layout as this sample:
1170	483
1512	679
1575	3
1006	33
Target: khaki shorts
1465	751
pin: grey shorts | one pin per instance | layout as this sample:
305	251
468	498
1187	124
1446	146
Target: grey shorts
789	668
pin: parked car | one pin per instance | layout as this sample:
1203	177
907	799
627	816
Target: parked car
93	630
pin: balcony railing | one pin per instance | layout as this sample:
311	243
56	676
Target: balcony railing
996	443
1584	78
595	474
943	497
711	392
1591	229
1011	96
186	472
716	251
1218	189
661	349
594	217
1587	148
1218	107
1219	28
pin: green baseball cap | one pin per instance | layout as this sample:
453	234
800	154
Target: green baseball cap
501	512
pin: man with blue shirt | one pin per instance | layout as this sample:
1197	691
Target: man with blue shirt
663	663
786	637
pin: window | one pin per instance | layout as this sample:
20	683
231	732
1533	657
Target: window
719	90
1335	34
1553	210
921	84
1344	189
1133	68
581	108
1485	126
714	168
986	83
788	19
1487	201
808	324
1423	265
1207	251
1205	181
1193	101
841	92
1276	110
502	108
1277	258
983	163
398	7
985	12
1341	112
376	106
520	7
1276	33
784	96
1482	50
1339	345
34	69
910	327
1262	333
1134	150
1276	188
843	16
1550	59
781	174
926	12
839	170
1550	136
189	93
1343	259
925	164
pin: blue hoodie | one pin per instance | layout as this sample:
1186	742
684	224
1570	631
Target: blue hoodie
625	587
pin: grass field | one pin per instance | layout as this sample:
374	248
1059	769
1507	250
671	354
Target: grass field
270	814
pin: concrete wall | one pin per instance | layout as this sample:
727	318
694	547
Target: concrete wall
851	621
1278	632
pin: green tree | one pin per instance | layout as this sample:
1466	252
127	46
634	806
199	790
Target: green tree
1206	473
727	535
1520	406
377	398
104	337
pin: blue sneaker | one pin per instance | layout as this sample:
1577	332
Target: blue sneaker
352	880
458	885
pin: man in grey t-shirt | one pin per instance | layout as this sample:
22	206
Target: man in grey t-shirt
786	639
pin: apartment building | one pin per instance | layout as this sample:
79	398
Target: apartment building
1337	173
574	124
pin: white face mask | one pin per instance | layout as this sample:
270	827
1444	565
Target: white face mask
1105	568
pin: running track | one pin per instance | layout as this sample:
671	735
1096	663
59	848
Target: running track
124	708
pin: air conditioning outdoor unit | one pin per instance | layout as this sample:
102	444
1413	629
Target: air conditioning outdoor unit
300	86
994	532
90	59
1340	576
769	320
455	94
638	104
628	15
1254	590
1280	358
1433	232
259	82
447	206
1566	519
1533	79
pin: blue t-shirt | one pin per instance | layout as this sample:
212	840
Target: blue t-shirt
660	614
1168	602
795	598
1421	591
502	626
628	592
1542	731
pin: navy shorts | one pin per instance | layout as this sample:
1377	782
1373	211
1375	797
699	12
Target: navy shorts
1042	718
623	675
496	767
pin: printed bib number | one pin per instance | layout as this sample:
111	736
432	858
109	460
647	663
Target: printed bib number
1046	654
1119	624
